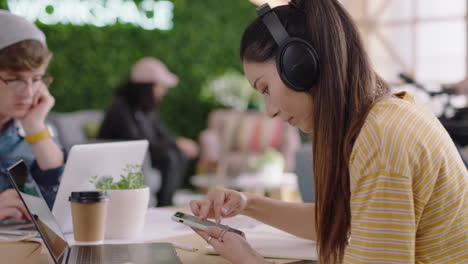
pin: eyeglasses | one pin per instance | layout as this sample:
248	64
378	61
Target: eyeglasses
19	85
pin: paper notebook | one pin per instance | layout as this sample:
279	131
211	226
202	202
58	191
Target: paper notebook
274	243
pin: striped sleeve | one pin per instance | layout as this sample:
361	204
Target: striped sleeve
383	221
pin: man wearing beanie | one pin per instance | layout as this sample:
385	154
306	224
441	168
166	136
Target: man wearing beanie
133	115
25	102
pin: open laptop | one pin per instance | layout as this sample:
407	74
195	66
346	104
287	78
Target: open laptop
62	253
85	161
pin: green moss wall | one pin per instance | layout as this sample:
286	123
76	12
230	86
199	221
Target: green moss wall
90	61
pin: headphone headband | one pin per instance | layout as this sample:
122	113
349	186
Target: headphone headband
272	22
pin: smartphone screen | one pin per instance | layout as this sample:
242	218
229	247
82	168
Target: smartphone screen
186	218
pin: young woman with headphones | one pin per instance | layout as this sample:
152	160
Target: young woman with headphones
390	184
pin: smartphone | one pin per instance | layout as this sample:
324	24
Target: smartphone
195	222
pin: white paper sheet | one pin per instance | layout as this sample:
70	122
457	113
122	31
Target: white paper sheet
274	243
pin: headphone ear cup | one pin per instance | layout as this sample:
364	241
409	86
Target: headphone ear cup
298	64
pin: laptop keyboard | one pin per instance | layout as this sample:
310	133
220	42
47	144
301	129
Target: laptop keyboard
88	255
96	254
163	253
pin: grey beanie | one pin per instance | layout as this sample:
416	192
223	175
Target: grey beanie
14	29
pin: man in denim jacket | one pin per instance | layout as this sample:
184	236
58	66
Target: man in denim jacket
25	102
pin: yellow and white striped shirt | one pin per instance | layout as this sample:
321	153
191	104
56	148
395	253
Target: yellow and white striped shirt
409	189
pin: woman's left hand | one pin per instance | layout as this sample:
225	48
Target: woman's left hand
34	121
230	246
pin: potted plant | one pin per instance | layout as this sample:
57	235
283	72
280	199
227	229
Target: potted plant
232	90
128	203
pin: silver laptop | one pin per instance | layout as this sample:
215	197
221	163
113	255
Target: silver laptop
87	160
61	252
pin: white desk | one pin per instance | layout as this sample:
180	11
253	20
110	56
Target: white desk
158	225
283	188
160	228
266	239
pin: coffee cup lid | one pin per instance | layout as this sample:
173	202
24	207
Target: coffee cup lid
88	196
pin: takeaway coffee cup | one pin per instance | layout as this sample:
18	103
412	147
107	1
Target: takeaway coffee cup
89	212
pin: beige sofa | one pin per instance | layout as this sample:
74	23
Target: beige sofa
232	138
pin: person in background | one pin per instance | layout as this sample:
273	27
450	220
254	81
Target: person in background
133	115
390	184
25	102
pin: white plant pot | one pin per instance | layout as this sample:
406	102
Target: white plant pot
126	213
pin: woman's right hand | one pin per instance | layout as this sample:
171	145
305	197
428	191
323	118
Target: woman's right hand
219	203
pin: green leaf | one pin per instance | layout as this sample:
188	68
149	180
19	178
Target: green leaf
132	178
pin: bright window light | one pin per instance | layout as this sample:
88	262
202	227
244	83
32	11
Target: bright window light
425	38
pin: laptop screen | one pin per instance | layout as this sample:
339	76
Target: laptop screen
40	212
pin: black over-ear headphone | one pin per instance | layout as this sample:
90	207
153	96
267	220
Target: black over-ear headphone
296	61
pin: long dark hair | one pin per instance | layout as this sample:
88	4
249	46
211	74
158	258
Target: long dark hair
347	89
138	95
